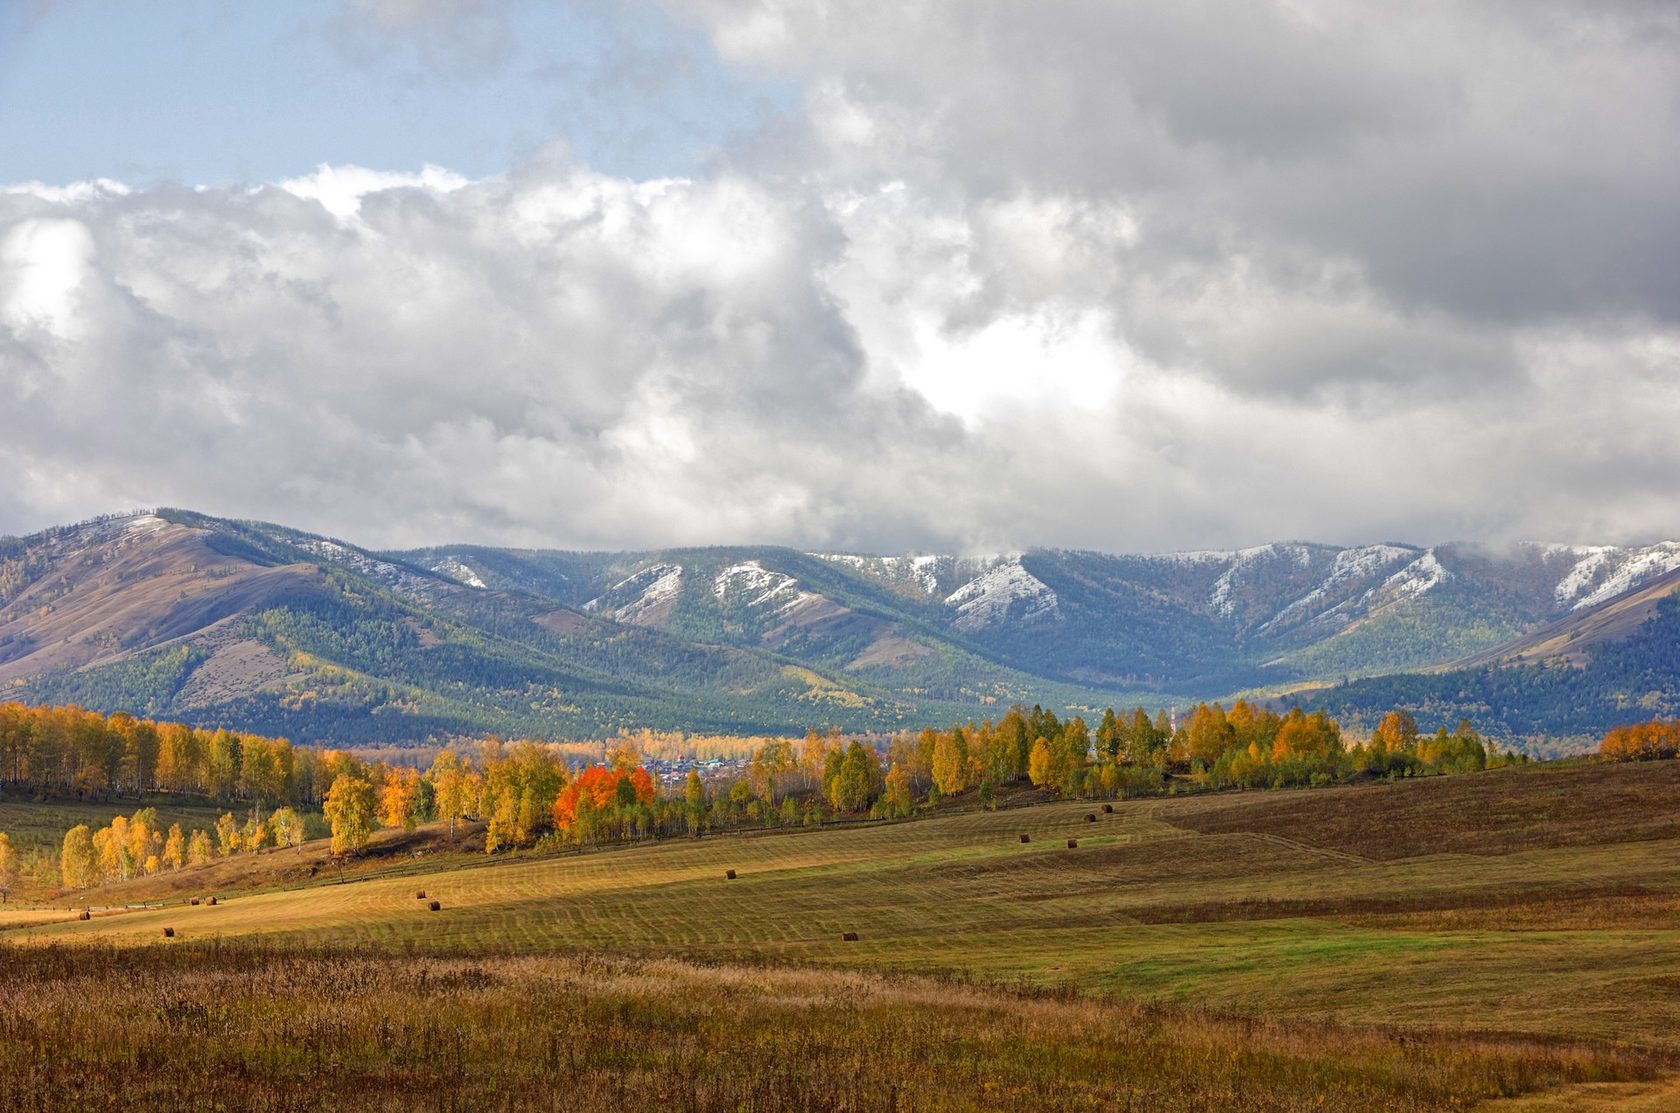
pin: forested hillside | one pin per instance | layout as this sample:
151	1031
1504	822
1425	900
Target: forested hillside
265	628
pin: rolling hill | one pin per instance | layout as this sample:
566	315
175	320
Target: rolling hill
1423	944
268	628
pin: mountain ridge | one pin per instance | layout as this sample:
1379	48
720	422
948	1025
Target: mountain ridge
264	626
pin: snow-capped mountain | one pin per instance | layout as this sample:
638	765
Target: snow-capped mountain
264	624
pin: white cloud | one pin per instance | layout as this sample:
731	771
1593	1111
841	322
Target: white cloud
1126	276
340	189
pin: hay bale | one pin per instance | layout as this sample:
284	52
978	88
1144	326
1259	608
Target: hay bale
848	937
211	902
729	875
435	906
1090	817
1108	809
1026	838
1073	844
421	895
86	915
169	933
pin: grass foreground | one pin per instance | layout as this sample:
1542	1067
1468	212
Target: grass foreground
1430	944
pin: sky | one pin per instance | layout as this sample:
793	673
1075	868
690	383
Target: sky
968	275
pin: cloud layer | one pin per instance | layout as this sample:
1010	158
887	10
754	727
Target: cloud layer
1130	276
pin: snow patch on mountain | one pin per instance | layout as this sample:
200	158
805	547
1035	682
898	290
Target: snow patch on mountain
646	590
1005	592
1638	567
1421	576
144	524
758	586
1591	562
1349	566
395	577
1243	559
924	570
459	571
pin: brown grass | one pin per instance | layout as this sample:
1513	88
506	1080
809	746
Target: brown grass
247	1027
1498	812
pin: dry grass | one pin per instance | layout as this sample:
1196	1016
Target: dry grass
1568	937
1499	812
243	1027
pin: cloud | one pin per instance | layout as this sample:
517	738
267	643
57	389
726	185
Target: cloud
1128	276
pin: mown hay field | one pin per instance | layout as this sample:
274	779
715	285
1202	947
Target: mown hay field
1575	941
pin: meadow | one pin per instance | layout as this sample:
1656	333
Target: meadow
1519	923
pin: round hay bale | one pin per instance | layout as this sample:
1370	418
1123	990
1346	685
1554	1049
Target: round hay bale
169	933
211	902
421	895
1108	809
1090	817
1073	844
86	915
729	875
435	906
1026	838
848	937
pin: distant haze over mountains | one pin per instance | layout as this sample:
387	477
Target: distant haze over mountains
264	627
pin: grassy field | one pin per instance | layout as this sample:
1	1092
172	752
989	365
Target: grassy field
1539	906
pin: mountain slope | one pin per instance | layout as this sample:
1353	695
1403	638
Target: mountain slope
1178	625
270	628
1613	661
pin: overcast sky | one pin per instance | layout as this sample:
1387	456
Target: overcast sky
973	275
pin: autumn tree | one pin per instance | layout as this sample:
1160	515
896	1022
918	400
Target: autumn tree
856	780
950	760
287	826
199	848
227	834
694	801
1208	733
349	809
1038	763
448	777
76	858
896	796
397	796
175	848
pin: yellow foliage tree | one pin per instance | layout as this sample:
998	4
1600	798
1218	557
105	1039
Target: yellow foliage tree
1038	763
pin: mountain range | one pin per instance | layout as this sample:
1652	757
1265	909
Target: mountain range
263	627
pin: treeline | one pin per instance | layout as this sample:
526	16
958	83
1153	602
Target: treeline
528	793
137	845
1125	755
1650	741
75	751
